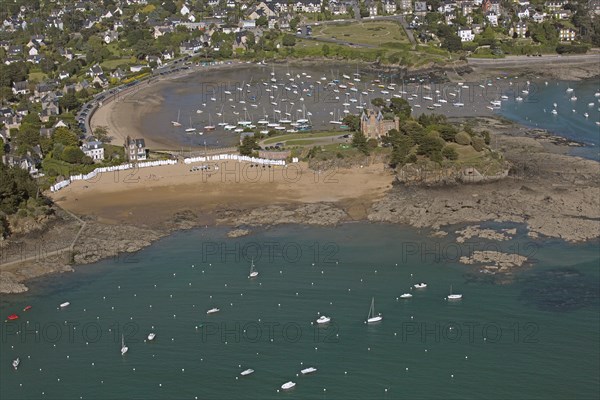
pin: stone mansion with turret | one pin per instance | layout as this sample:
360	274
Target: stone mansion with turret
372	124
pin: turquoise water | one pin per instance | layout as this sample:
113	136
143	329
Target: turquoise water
508	340
536	110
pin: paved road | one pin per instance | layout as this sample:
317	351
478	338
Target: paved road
510	61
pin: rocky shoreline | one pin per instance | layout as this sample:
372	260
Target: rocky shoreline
552	195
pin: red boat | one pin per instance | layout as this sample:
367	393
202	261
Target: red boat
12	317
27	308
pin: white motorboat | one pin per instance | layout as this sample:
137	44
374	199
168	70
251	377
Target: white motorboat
213	310
421	285
519	98
406	296
65	304
323	319
308	370
573	98
247	372
554	112
452	296
371	318
253	272
569	90
16	363
151	336
288	385
586	115
124	348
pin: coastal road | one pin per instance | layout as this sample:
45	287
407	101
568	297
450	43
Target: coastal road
518	61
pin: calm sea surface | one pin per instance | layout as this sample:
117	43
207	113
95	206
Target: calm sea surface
533	336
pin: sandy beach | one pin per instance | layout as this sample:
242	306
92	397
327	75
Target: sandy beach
151	197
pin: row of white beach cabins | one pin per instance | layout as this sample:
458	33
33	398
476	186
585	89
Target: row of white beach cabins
219	157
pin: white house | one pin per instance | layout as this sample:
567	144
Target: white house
538	17
523	14
94	150
466	35
566	34
184	10
390	7
492	19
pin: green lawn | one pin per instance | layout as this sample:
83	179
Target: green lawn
291	136
37	76
113	64
376	33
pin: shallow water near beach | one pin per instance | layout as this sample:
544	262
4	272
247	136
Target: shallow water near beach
534	336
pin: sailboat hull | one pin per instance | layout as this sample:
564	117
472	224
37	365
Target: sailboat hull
372	320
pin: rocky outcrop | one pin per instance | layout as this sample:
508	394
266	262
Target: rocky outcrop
100	241
495	260
312	214
238	233
10	285
491	234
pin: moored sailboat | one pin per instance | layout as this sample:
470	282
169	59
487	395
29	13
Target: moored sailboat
371	318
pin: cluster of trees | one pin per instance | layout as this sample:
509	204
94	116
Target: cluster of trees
431	136
18	191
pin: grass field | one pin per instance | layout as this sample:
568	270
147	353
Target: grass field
292	136
376	33
113	64
37	76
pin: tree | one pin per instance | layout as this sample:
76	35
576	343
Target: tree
289	40
262	21
65	136
450	153
430	144
248	145
169	6
68	102
401	147
28	136
352	121
16	188
72	155
462	138
359	141
452	43
478	143
101	134
294	23
378	102
447	131
325	50
400	107
486	137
